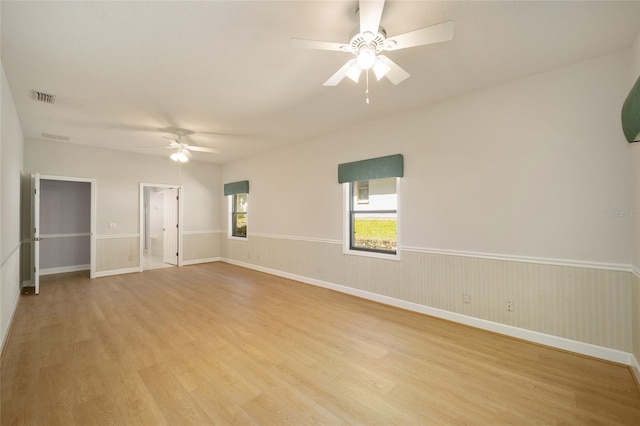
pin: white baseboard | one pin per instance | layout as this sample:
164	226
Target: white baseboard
197	261
570	345
117	272
63	269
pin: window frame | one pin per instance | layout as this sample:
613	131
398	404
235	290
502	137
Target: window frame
233	213
347	248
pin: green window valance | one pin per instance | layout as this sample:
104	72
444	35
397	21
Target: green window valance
233	188
631	114
374	168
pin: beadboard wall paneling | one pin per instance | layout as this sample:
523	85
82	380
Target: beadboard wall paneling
201	245
635	325
9	292
117	252
584	304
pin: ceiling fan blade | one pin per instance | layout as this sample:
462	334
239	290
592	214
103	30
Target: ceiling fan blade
370	14
340	74
395	74
169	138
427	35
319	45
202	149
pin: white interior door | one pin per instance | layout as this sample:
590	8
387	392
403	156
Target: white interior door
35	220
170	226
156	225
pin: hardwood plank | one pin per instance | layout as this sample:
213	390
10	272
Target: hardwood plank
219	344
55	397
17	382
174	401
98	411
130	394
221	407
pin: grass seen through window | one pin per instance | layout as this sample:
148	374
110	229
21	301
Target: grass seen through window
375	233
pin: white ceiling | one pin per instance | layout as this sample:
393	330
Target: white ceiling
124	71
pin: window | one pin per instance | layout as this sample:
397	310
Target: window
239	215
372	222
370	189
238	193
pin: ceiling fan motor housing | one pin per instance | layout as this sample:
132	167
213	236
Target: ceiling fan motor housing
358	40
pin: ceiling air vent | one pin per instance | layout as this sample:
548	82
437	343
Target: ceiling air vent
43	97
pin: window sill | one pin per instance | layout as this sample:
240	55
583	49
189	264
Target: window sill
375	255
231	237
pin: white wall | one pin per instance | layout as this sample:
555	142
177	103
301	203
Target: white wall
11	172
528	168
11	141
530	174
634	156
118	176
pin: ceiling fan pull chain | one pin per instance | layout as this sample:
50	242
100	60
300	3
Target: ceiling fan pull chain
367	92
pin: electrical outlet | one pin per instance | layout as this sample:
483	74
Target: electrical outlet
509	305
466	298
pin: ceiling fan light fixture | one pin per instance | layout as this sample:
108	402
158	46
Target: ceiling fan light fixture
380	69
366	57
179	157
369	40
354	72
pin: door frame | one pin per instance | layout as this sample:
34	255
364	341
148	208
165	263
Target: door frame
144	185
92	218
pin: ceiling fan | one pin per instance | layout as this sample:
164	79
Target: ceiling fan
371	39
183	150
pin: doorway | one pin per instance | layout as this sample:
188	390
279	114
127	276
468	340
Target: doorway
63	225
160	224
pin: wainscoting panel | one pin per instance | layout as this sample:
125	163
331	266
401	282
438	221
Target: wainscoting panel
9	292
201	246
588	305
635	325
117	253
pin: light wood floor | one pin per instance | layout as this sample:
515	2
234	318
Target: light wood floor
215	343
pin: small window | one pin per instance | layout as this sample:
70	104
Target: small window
239	215
373	216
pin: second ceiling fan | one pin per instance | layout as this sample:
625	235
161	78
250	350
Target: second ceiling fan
183	150
367	44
